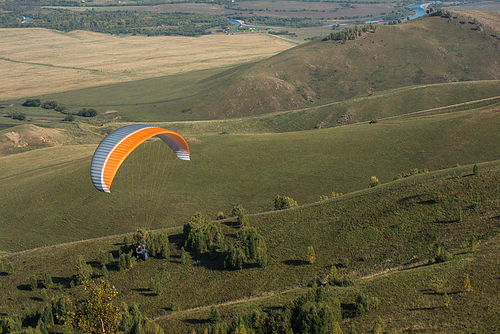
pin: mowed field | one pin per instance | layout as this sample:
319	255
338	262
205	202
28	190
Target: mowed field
38	61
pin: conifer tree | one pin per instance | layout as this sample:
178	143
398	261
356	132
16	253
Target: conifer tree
311	255
467	285
333	277
446	300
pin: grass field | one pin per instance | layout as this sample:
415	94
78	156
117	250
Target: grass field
247	169
66	61
380	232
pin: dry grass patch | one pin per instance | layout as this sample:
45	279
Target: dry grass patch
39	61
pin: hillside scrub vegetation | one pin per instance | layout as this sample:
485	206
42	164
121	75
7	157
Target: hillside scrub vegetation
408	221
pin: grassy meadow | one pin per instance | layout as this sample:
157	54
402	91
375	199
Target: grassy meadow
231	169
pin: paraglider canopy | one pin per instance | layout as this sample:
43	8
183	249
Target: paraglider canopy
113	150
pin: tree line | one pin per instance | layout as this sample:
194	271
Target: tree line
116	22
350	33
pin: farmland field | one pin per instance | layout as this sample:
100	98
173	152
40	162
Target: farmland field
65	61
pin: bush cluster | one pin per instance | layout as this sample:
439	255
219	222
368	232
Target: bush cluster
317	311
283	202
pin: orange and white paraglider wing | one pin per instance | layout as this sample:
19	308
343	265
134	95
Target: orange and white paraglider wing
113	150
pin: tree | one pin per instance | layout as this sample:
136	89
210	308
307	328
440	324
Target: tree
47	281
311	255
374	181
32	103
283	202
202	234
69	118
378	327
446	300
183	255
475	170
333	277
336	328
242	219
50	105
33	282
84	112
9	268
214	315
235	212
467	285
84	271
104	271
97	313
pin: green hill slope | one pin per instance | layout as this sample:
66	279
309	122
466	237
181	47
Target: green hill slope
400	228
58	203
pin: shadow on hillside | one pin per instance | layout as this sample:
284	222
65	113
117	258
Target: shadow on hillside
295	262
209	262
3	274
423	308
177	239
64	281
445	221
428	202
348	310
37	299
24	287
196	321
430	292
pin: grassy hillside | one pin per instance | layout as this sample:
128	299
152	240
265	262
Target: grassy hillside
232	169
396	229
427	51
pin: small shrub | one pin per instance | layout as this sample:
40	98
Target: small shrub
33	282
467	285
50	105
475	170
378	327
32	103
344	262
214	315
333	277
311	255
235	212
473	244
125	240
87	112
17	115
183	255
446	300
104	271
9	268
220	216
43	294
283	202
47	281
442	255
347	281
69	118
374	181
242	220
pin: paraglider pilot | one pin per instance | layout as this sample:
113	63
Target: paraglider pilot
140	253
